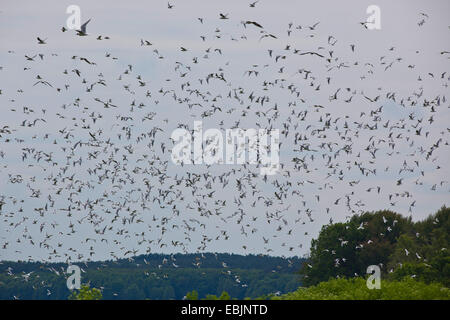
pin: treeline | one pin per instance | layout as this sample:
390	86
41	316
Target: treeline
156	276
400	247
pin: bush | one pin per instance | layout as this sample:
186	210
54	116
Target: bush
356	289
85	293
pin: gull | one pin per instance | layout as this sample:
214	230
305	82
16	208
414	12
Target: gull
245	23
30	58
145	43
313	27
82	31
311	53
27	275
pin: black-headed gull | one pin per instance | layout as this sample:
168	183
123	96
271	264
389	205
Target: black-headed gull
82	31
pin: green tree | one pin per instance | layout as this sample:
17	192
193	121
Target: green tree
223	296
193	295
356	289
86	293
347	249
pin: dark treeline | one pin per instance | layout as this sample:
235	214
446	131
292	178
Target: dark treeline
156	276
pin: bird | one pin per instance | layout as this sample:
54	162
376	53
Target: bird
82	31
253	23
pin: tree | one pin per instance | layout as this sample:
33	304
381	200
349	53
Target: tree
356	289
347	249
85	293
223	296
400	247
193	295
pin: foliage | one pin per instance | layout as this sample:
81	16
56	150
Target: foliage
223	296
384	238
356	289
85	293
193	295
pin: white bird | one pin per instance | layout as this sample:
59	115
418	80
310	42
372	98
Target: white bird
82	31
406	252
27	275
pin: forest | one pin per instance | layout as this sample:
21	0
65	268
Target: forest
156	276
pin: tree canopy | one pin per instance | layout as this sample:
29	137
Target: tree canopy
397	245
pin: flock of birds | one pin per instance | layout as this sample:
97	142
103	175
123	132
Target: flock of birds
92	176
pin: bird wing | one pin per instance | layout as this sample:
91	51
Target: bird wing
83	26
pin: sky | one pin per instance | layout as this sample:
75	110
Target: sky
55	207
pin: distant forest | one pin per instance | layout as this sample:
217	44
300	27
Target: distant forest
156	276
